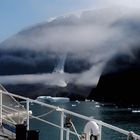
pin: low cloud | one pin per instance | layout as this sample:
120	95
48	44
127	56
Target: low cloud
50	79
94	36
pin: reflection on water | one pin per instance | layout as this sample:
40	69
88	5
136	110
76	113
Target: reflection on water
126	118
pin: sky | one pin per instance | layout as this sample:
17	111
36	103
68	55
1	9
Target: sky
19	14
16	15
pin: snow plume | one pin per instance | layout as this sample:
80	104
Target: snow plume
94	36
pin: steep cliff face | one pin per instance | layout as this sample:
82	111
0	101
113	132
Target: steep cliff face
120	80
121	87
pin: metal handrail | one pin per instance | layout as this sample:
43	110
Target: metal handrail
62	112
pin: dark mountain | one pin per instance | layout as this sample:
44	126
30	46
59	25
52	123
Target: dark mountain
120	81
74	92
100	45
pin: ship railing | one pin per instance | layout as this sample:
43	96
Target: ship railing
65	131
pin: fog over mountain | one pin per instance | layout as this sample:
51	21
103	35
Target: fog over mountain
89	40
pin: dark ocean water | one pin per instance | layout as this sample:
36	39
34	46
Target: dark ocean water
126	118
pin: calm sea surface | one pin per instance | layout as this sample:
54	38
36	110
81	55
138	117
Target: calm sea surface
126	118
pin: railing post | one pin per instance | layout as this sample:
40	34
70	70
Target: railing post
0	107
100	127
27	106
62	125
18	117
67	134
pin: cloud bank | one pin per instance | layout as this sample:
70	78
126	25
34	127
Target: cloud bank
93	36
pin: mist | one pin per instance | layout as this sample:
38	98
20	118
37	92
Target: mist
92	36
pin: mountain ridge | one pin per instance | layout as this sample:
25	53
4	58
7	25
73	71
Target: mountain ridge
96	42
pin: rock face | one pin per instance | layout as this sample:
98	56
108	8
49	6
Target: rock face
74	92
122	84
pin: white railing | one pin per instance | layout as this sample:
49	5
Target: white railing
63	113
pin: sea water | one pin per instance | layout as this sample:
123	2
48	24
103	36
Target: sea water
125	118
